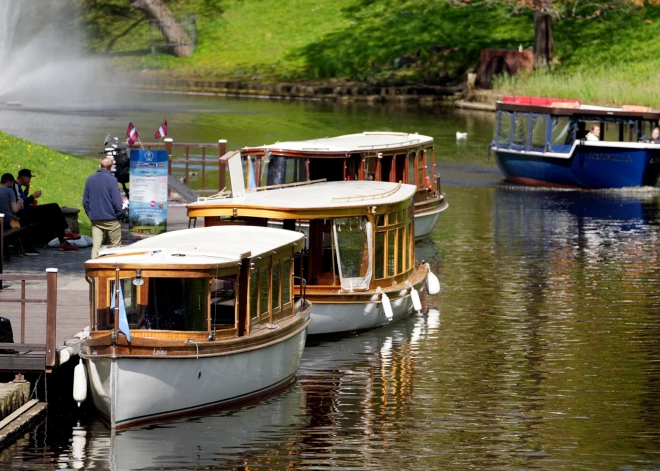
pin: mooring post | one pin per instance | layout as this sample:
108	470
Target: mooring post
222	147
51	317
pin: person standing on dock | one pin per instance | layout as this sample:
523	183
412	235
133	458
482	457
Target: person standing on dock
103	205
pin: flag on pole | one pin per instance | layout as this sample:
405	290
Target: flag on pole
123	320
131	135
162	130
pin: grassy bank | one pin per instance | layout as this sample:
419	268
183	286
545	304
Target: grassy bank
61	177
610	59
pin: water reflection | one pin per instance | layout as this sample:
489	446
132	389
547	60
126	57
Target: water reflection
350	396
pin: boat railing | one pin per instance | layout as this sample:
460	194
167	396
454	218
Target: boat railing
372	196
195	164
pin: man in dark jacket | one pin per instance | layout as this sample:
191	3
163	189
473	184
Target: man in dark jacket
103	204
47	218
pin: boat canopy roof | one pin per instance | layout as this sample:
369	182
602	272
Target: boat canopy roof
207	247
350	143
563	107
319	196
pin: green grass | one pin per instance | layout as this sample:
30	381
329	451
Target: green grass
607	60
61	177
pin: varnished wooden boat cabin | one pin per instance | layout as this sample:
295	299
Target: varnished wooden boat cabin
374	156
358	266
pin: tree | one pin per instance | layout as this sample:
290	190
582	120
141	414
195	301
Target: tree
171	29
548	11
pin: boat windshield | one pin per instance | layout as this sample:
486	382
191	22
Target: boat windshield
171	304
353	239
281	170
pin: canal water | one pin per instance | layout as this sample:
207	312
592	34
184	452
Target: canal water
542	350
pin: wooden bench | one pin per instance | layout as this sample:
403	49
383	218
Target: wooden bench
6	237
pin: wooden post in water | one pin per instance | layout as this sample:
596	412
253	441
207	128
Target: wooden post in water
222	177
51	317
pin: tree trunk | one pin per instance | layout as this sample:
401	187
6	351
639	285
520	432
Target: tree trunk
171	29
543	40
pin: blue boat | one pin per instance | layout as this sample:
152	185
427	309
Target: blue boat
548	142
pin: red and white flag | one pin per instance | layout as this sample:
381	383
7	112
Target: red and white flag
131	135
162	130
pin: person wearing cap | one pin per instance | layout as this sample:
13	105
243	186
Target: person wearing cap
10	206
103	204
48	216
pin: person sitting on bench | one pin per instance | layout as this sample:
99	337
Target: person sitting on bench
10	206
48	216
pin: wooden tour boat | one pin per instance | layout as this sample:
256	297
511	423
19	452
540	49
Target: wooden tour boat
378	156
543	142
358	268
191	320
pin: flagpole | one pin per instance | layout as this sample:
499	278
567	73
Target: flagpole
140	142
117	281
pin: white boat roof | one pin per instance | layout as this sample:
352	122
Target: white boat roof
366	141
322	195
208	246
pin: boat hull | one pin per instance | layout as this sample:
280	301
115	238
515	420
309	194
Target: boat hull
426	217
591	167
353	313
131	390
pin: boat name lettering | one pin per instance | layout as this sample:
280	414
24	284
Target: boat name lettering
160	351
610	157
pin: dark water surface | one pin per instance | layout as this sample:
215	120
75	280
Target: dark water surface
541	351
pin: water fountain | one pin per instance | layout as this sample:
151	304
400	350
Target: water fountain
43	57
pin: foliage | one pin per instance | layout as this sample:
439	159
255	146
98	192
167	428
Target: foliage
61	177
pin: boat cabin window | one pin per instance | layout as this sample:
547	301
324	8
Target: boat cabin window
371	169
275	297
353	239
421	169
503	128
430	168
563	134
392	252
330	169
176	304
283	170
539	132
411	168
520	130
353	164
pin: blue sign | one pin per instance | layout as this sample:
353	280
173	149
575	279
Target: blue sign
147	209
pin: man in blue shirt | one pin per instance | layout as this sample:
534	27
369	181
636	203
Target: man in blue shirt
103	205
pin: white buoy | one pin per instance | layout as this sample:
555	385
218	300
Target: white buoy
79	383
432	282
417	303
387	306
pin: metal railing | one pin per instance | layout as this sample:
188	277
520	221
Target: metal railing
188	158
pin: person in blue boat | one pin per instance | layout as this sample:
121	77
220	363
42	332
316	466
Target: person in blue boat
655	136
593	134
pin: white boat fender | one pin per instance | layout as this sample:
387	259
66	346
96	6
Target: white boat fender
79	383
432	282
414	295
387	305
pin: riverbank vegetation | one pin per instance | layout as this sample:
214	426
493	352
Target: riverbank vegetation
61	177
387	42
